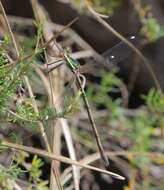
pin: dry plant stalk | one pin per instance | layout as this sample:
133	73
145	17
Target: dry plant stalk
55	176
58	158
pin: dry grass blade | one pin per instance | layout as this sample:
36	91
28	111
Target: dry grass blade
67	33
49	37
45	45
55	176
62	30
96	156
58	158
37	111
71	149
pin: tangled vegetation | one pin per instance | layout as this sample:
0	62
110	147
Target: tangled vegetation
41	108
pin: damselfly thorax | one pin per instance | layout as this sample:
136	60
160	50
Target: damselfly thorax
110	58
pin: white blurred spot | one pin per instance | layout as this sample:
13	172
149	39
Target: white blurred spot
112	56
132	37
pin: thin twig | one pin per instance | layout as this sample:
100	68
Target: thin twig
113	31
57	28
129	154
44	46
54	168
58	158
62	30
71	149
37	111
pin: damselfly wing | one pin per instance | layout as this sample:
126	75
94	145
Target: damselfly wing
112	56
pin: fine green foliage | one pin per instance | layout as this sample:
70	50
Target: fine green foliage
71	105
155	104
15	107
155	101
151	29
140	126
101	6
9	175
121	128
35	173
133	130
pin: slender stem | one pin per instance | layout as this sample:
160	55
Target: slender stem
41	126
58	158
54	169
113	31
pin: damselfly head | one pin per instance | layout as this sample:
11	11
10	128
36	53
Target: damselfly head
67	50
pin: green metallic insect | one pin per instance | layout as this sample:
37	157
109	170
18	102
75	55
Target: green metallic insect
73	64
74	67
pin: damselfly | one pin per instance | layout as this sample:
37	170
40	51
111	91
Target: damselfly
111	57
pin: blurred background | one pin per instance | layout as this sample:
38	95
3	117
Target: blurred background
127	105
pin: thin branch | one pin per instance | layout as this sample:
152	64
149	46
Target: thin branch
129	154
113	31
71	149
58	158
54	177
37	111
